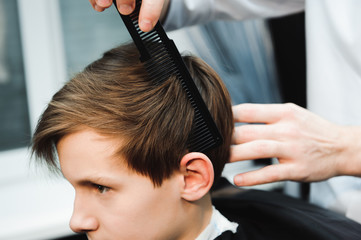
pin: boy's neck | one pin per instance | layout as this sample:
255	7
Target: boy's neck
198	217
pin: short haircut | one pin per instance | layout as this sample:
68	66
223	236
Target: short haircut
115	97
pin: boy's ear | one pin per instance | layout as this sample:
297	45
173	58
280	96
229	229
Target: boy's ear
198	175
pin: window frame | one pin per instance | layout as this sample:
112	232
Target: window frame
44	68
30	193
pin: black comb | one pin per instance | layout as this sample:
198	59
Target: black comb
161	59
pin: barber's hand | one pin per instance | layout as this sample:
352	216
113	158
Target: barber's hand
150	11
308	147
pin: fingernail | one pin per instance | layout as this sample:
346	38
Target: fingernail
125	9
238	180
103	3
146	25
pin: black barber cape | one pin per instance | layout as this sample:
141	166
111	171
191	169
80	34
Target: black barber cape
271	215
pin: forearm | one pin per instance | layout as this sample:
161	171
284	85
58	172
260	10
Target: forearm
349	161
190	12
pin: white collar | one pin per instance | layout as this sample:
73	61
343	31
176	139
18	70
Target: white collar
218	225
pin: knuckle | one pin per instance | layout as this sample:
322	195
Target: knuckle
237	135
289	109
247	131
264	148
275	174
290	105
302	173
290	132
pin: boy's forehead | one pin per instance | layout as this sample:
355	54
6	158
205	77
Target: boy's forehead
86	151
88	138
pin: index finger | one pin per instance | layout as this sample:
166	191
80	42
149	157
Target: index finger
257	113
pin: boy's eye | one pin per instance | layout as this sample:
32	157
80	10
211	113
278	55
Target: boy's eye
101	189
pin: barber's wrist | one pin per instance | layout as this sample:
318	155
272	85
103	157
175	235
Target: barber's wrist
349	161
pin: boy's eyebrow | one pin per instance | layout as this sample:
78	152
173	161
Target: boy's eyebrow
86	181
93	180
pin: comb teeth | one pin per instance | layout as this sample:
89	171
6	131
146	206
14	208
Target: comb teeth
162	60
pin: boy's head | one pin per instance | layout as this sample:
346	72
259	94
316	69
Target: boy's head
122	143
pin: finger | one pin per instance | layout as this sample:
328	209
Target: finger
257	149
125	7
251	132
95	6
258	113
149	14
92	2
271	173
103	3
98	9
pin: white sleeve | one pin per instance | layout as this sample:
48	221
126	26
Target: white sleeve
190	12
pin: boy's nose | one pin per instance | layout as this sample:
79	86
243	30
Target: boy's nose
82	221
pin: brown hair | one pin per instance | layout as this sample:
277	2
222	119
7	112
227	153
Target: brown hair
115	97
